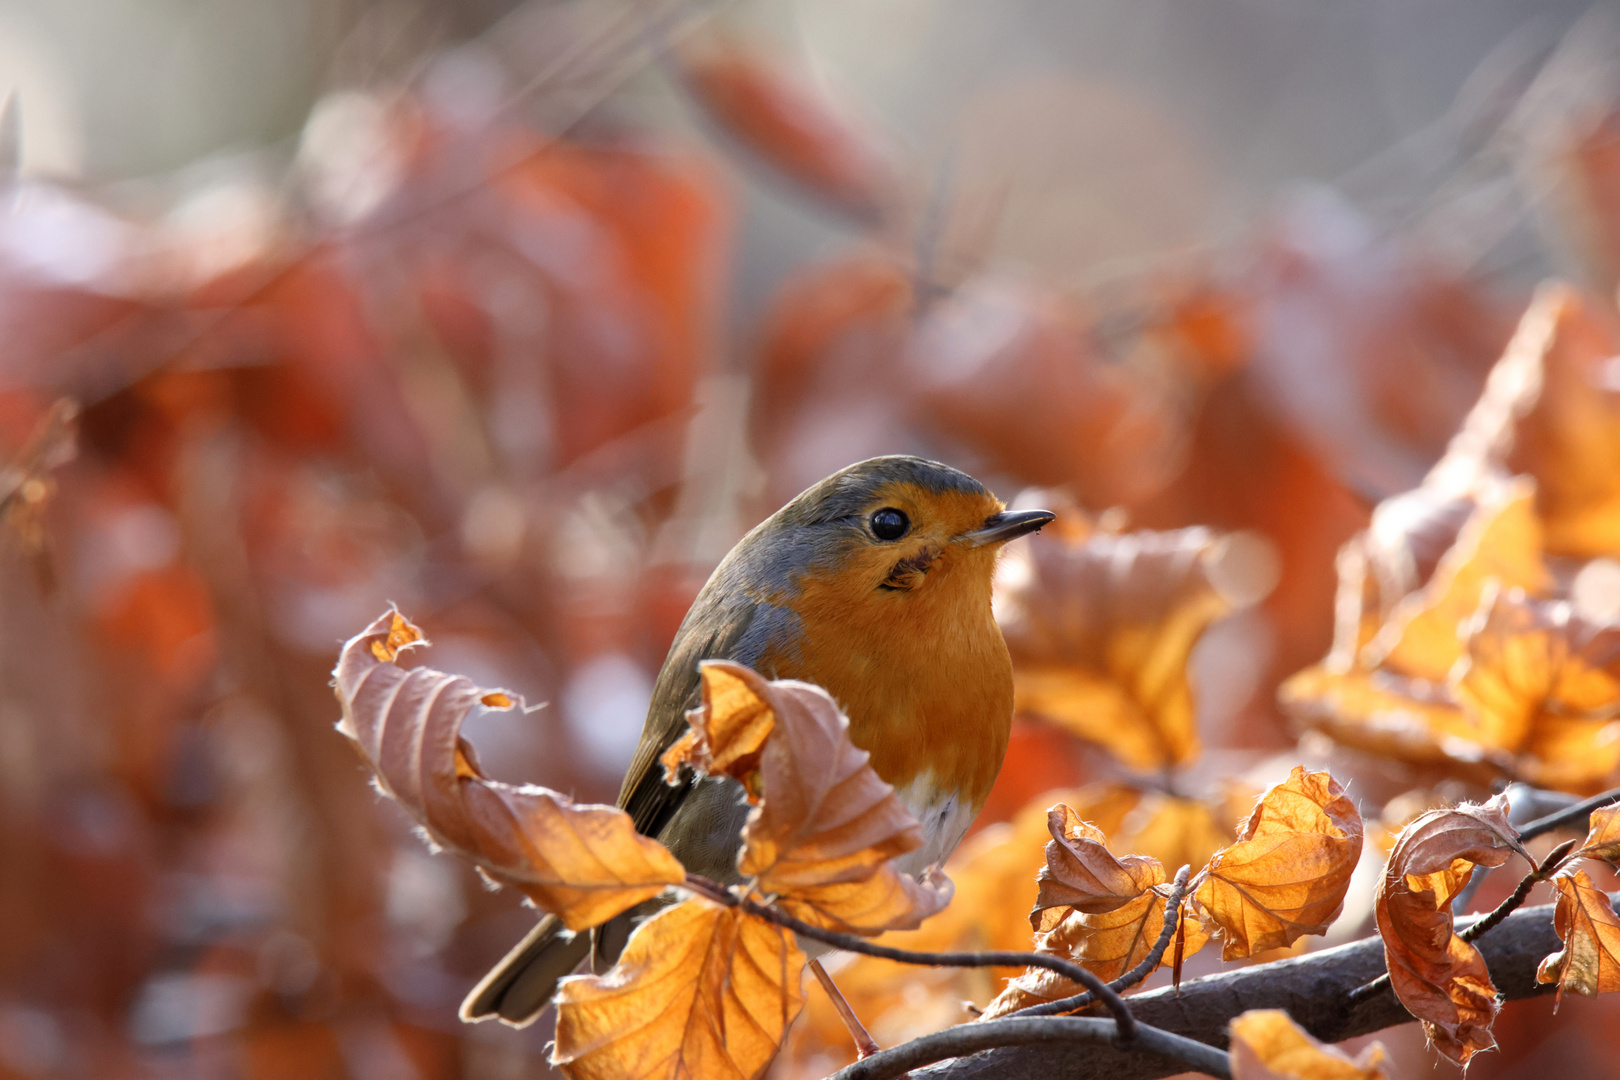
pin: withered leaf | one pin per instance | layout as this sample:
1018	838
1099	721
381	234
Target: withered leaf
1540	682
1603	835
1287	874
1107	944
1100	630
1589	963
1547	412
583	863
1501	543
822	837
1081	873
700	990
1268	1045
1441	979
727	732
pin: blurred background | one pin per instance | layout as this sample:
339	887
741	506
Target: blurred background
520	315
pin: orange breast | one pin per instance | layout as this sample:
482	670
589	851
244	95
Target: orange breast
924	677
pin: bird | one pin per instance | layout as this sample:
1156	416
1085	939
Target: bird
874	584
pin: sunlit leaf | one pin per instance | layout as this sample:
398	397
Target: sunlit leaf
584	863
1268	1045
701	990
825	830
1603	835
1100	630
1287	874
1589	963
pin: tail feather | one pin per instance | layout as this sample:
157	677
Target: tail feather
519	988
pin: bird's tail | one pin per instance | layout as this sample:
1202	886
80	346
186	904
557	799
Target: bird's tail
519	988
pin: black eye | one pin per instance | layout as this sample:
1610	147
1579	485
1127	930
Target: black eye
890	524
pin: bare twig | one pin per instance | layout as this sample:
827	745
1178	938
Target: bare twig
1579	812
1149	964
1477	929
865	1045
713	890
967	1039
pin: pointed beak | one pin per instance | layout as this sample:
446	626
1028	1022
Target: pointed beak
1007	525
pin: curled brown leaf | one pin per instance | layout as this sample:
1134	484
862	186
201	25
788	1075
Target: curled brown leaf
1441	979
826	828
583	863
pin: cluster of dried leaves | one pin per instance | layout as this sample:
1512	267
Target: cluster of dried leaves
703	988
1475	618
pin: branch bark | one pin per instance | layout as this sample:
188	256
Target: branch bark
1314	989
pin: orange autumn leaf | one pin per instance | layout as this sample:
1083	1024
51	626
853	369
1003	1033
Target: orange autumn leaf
1540	682
1288	872
824	832
1501	543
1100	629
727	733
1548	412
1268	1045
1603	835
700	990
1082	874
1441	979
1589	963
583	863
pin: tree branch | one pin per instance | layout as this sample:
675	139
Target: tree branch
1168	1052
1312	988
1575	815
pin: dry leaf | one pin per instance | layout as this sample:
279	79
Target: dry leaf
788	126
1100	630
1082	874
1603	835
583	863
1541	683
1287	874
1441	979
1268	1045
1500	542
701	990
727	733
1589	963
822	837
1548	411
1107	945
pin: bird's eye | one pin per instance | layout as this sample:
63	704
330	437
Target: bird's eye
890	524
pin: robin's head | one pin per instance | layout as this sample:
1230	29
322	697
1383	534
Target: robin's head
892	530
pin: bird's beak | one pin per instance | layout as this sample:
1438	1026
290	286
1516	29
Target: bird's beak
1007	525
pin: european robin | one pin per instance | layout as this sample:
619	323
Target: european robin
873	584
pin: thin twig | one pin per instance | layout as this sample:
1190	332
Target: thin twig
1555	858
1149	964
865	1045
1473	931
713	890
1579	812
967	1039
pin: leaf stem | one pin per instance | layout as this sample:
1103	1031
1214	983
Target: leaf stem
1579	812
1149	964
1123	1020
865	1045
967	1039
1479	928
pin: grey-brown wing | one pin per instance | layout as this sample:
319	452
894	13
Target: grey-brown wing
710	632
